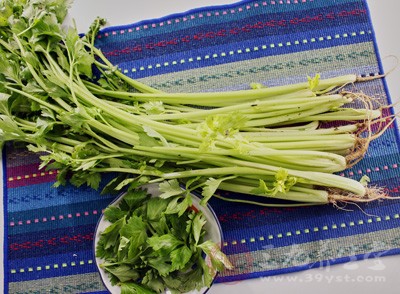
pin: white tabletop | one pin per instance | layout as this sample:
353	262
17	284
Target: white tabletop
378	275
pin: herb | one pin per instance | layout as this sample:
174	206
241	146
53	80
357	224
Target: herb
147	249
61	96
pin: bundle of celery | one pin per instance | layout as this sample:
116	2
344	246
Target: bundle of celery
261	141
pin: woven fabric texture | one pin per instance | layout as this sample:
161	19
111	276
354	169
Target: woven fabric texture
49	232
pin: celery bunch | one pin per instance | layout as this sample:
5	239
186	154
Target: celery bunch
264	141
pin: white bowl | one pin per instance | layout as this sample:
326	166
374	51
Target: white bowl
212	227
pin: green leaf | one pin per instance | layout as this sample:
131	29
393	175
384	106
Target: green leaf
179	205
314	82
173	205
123	246
192	181
185	282
134	198
208	272
30	58
124	183
5	12
133	288
211	186
262	188
160	225
72	40
153	281
185	204
55	86
48	113
86	165
155	208
165	243
139	181
85	64
173	283
283	182
256	86
180	257
30	12
93	180
154	134
189	223
365	180
123	272
134	227
61	8
37	148
62	59
135	231
85	150
4	108
75	119
154	107
110	236
197	226
9	130
113	213
218	259
18	25
170	188
146	140
161	263
109	188
33	88
177	225
134	251
220	126
61	177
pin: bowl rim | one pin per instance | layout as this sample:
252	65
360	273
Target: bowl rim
119	198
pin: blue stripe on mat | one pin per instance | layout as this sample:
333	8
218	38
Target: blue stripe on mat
324	263
248	52
198	21
44	195
5	219
66	264
56	241
242	29
67	212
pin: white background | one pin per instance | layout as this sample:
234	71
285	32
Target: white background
379	275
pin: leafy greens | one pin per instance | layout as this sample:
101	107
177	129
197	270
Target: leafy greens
61	96
147	249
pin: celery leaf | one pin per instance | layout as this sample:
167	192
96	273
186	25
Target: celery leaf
170	188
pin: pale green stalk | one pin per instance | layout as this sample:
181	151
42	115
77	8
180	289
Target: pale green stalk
344	114
224	98
264	108
297	194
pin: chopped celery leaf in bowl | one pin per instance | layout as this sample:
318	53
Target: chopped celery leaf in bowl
151	242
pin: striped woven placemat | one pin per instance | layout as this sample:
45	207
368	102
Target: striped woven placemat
49	232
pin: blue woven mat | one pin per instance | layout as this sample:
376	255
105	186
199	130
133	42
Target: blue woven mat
49	232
